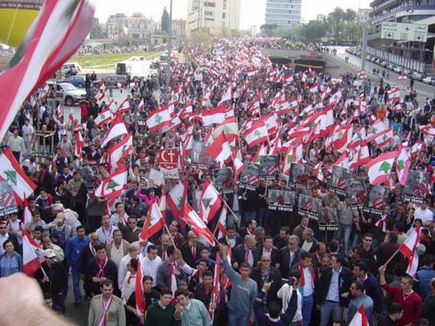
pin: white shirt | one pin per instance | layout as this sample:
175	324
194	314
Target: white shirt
309	283
285	293
116	254
426	215
149	267
106	235
122	270
307	246
128	287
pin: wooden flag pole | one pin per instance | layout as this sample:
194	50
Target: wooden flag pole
230	210
170	236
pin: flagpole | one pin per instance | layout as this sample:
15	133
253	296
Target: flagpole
170	235
231	211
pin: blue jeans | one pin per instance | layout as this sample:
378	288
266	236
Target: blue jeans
234	319
327	309
344	233
307	308
76	283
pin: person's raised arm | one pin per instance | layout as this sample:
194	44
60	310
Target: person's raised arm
231	273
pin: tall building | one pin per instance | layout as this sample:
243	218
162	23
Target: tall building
215	16
364	14
137	27
284	13
410	51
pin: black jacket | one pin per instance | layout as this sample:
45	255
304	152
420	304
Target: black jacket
186	251
285	260
344	281
239	255
110	272
274	277
57	279
274	256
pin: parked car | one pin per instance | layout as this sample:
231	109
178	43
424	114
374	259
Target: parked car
69	93
77	81
418	76
70	69
398	69
384	64
390	67
429	80
114	80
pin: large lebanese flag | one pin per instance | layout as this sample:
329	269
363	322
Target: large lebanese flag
222	223
229	127
176	200
119	151
216	115
33	254
159	119
55	35
341	138
11	171
209	202
104	117
197	225
153	224
114	184
409	249
117	128
384	138
220	150
427	130
380	167
124	107
257	134
403	165
360	318
377	127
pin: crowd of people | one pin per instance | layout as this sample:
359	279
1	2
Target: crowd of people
314	254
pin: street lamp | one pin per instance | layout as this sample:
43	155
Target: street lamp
168	72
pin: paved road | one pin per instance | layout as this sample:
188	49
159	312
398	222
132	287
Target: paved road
423	90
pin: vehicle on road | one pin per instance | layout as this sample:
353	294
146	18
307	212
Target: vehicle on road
418	76
77	81
135	67
430	80
116	81
69	93
70	69
398	69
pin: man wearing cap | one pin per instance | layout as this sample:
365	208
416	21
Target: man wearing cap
52	279
61	232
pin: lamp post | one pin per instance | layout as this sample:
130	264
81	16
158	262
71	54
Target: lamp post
168	71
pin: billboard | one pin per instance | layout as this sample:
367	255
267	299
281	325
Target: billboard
404	32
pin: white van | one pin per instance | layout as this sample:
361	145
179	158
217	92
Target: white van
70	68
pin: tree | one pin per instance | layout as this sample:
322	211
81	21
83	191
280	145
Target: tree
314	31
165	21
268	29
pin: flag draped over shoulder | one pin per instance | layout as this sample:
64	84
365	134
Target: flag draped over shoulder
55	35
33	254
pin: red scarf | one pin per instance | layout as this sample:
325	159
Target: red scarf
101	267
103	319
302	279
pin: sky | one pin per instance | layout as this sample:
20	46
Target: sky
253	11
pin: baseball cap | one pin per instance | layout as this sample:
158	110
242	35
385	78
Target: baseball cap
49	253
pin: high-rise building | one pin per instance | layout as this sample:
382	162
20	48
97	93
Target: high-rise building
137	27
284	13
414	54
214	16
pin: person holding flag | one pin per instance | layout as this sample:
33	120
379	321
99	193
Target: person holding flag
360	299
150	297
404	295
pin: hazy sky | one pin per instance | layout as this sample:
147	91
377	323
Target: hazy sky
253	11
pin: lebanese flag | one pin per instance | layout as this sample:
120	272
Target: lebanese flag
342	161
114	184
54	36
139	294
230	128
361	156
377	127
335	98
159	119
117	128
227	96
360	318
380	167
394	94
220	150
100	94
104	117
314	88
216	115
359	138
417	147
222	223
33	254
176	199
153	224
141	106
294	155
288	76
197	225
11	171
125	106
27	214
384	138
261	151
409	249
119	151
45	92
209	202
257	134
284	106
270	122
403	164
341	138
80	143
427	130
318	173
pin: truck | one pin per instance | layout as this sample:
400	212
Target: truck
135	67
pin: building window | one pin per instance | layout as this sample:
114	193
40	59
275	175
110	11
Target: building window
209	4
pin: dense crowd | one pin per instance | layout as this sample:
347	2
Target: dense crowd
298	243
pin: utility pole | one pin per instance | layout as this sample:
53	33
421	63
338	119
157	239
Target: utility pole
168	71
364	48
